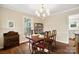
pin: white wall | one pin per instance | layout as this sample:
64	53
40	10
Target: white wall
7	14
60	23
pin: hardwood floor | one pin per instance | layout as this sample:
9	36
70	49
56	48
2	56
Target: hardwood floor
61	48
21	49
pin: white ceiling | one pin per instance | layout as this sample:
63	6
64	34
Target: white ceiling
30	8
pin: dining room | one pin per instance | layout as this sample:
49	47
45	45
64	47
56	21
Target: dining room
37	29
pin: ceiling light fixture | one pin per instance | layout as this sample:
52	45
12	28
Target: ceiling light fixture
42	11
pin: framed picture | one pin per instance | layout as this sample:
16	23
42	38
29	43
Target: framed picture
11	24
73	25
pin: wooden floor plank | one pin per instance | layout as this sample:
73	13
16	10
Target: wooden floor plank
61	48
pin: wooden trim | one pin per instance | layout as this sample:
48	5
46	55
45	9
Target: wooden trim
24	42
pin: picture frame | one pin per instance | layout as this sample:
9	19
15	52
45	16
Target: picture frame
11	24
73	25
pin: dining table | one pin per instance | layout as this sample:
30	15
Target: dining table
48	44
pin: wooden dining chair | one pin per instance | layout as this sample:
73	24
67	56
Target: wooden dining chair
48	40
32	46
53	37
39	43
47	35
36	47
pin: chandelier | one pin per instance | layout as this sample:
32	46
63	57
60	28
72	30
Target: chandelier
42	11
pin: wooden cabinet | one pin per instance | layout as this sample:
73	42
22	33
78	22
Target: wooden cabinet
77	42
38	28
72	45
11	39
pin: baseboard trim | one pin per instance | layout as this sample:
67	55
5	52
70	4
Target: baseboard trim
24	42
62	42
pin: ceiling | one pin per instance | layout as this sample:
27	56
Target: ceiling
30	8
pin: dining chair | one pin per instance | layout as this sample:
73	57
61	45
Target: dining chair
36	47
48	41
40	44
53	37
47	35
32	46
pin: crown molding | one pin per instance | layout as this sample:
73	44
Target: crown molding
65	11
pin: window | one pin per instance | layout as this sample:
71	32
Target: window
27	27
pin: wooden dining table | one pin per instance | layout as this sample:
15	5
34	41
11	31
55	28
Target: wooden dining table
48	44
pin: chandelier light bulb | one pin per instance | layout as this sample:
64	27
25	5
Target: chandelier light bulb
44	15
47	11
37	13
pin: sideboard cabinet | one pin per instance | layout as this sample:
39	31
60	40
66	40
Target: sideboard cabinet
77	42
11	39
